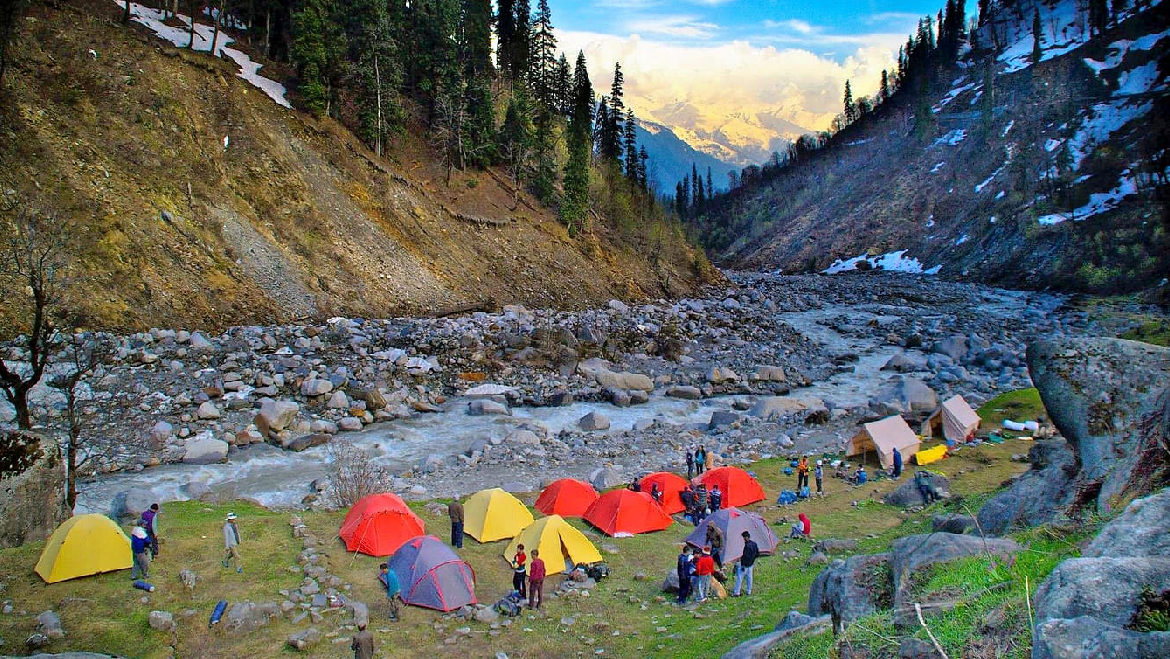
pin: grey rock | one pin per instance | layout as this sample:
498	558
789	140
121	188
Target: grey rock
952	523
316	387
604	478
847	587
161	621
207	411
1142	530
482	407
349	423
161	432
904	395
916	648
1036	496
594	421
684	392
835	546
793	620
129	504
769	374
1089	638
954	347
907	494
276	415
904	363
304	639
204	449
911	553
762	647
722	419
771	407
487	615
49	624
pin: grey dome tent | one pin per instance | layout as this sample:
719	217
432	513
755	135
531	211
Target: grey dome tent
432	575
733	522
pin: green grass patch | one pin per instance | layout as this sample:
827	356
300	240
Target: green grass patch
1156	332
1019	405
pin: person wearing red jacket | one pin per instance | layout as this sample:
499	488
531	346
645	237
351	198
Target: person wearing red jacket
704	568
536	581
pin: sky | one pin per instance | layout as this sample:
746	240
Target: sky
711	58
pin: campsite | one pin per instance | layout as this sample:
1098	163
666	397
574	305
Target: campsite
626	614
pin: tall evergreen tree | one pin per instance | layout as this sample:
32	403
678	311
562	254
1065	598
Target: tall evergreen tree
543	63
375	51
643	167
884	88
984	12
631	144
564	86
850	110
1037	34
475	57
710	185
505	35
516	140
611	142
574	206
1098	16
522	39
603	128
318	50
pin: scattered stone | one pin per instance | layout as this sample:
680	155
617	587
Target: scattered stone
304	639
594	421
49	624
161	621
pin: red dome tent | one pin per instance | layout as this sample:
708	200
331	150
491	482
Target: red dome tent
669	485
431	575
625	513
378	524
738	486
567	497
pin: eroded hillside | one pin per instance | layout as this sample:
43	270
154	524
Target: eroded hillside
197	201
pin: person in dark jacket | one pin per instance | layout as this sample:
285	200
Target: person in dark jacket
519	570
820	475
700	503
656	493
700	459
455	512
687	497
362	644
690	464
536	581
149	522
897	472
140	549
714	539
747	563
684	574
716	499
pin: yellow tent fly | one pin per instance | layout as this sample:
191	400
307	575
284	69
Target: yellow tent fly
84	545
494	515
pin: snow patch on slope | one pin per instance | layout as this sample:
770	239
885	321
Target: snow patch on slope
1098	203
891	261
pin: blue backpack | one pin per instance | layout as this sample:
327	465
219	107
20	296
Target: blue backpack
803	492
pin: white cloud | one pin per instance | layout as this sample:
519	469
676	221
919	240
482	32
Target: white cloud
689	27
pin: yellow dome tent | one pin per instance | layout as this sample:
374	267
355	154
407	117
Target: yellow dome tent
494	515
84	545
556	539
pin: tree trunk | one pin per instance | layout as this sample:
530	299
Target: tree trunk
378	82
215	30
267	31
126	12
19	400
194	10
71	450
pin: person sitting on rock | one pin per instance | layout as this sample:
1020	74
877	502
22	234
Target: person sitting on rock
715	540
859	477
925	487
802	528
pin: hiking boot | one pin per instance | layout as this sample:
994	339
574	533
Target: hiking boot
225	563
239	570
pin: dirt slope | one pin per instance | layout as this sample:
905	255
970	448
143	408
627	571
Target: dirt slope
292	218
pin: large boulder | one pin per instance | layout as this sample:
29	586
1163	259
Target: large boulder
1085	604
599	370
275	415
762	647
907	494
771	407
32	488
1035	497
129	504
604	478
954	347
248	616
914	552
486	407
594	421
907	396
204	449
1108	397
851	588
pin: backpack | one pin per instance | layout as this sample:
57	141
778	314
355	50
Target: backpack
597	571
507	607
803	492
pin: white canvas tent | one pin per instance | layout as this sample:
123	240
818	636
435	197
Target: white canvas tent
883	437
956	419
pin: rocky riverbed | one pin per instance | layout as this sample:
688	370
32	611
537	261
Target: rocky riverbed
776	366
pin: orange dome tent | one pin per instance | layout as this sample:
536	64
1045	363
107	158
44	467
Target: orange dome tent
567	497
379	524
669	485
738	486
626	513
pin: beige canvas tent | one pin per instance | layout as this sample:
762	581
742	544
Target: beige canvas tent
883	437
955	418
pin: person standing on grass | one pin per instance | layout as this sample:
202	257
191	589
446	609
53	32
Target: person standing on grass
685	568
704	568
690	464
802	473
519	567
455	512
700	459
747	564
897	472
150	523
715	540
716	499
820	475
231	542
687	497
536	581
140	548
362	644
393	590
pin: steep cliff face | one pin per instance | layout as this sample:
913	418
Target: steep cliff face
1008	171
195	200
32	488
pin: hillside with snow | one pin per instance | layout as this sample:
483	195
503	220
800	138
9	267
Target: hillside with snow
1054	176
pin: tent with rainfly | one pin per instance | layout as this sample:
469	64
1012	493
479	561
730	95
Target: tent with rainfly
494	515
623	513
378	524
554	537
955	418
733	522
567	497
737	486
83	545
669	485
883	437
431	575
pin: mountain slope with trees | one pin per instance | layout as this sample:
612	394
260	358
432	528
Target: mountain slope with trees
417	174
1026	147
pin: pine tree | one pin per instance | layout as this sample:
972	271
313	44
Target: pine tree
317	50
643	167
631	144
603	129
505	35
850	108
1037	33
374	49
611	143
544	57
475	58
574	206
984	12
544	183
710	185
564	86
884	88
522	40
516	141
1098	16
